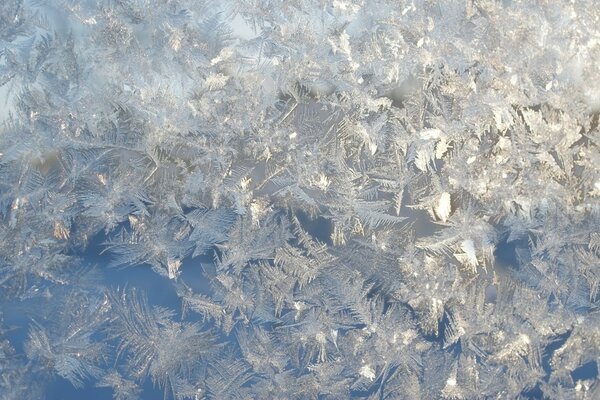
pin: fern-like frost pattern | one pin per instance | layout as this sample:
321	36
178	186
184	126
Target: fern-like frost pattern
379	199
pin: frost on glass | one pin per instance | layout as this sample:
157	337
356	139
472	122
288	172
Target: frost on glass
299	200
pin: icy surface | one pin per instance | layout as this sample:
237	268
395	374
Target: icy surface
299	199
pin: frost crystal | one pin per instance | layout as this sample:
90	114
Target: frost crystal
299	200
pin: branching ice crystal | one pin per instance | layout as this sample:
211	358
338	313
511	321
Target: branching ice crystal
299	200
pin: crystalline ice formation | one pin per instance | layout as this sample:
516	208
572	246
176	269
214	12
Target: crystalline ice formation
299	199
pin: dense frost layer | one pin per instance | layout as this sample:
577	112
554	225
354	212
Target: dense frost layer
372	198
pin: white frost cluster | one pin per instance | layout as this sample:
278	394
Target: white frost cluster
341	199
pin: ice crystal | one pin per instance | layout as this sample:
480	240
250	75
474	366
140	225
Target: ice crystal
300	199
